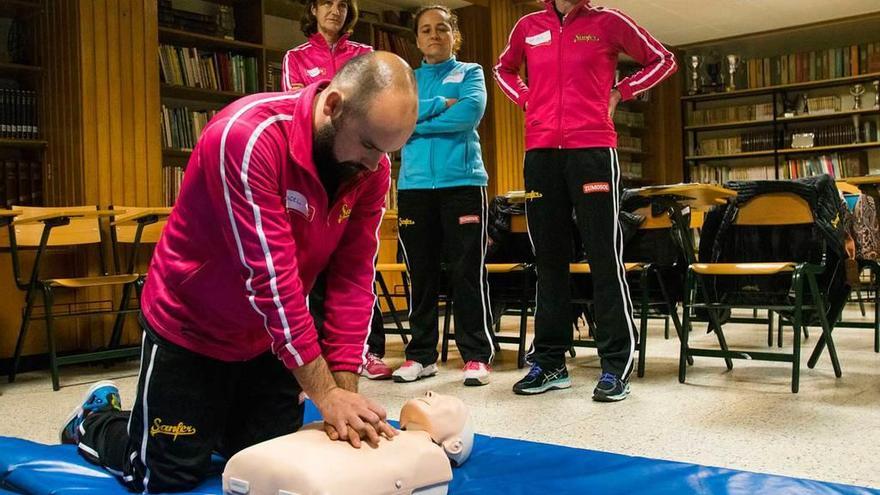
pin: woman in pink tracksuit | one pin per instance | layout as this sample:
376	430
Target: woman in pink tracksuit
327	24
570	50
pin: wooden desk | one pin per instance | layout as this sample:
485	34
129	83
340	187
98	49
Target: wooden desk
868	184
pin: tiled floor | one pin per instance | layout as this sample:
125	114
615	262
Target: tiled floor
745	419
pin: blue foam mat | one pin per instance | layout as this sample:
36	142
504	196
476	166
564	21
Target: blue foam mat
497	465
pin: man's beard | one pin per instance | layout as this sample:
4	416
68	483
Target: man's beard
330	169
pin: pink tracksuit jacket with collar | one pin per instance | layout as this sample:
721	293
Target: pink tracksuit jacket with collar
571	68
315	60
251	230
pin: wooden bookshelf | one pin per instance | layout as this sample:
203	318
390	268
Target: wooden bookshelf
185	38
23	143
19	8
198	94
20	69
728	156
769	90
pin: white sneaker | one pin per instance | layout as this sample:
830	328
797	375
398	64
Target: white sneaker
411	371
476	373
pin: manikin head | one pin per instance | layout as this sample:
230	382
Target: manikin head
445	419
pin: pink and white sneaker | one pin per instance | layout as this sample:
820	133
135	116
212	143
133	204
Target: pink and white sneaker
411	371
476	373
375	368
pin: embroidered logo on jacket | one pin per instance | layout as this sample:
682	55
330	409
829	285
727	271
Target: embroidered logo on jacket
585	38
345	213
596	187
178	430
315	72
539	39
466	219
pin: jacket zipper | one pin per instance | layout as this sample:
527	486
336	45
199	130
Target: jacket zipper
561	83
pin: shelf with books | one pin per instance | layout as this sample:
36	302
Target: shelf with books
822	149
769	90
19	8
830	115
199	94
730	156
20	69
737	124
180	37
23	143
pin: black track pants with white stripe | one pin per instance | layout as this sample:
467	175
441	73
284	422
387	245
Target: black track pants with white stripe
189	406
586	181
446	225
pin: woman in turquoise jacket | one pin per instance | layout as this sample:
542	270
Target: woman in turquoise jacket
442	206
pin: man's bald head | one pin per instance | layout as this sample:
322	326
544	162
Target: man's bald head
370	108
364	78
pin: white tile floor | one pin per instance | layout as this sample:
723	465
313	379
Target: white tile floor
745	419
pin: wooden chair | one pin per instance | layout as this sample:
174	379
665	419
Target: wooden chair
777	210
44	228
388	296
134	228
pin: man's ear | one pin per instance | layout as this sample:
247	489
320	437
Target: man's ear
333	104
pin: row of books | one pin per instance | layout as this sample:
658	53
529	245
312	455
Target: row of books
631	170
737	113
219	71
630	119
196	16
629	142
828	135
181	127
171	179
722	146
403	47
831	135
823	104
22	183
836	165
19	114
274	76
813	66
708	174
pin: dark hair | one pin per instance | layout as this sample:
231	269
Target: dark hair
309	23
453	22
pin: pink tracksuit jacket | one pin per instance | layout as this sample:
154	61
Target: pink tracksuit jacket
571	67
252	229
314	60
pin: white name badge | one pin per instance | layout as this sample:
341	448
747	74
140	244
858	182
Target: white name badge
297	201
539	39
314	72
454	78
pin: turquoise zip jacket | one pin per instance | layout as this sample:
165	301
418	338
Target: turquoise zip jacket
444	151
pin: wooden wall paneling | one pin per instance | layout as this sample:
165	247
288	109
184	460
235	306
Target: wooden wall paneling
150	43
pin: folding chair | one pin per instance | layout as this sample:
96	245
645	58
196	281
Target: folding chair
44	228
388	296
764	212
134	228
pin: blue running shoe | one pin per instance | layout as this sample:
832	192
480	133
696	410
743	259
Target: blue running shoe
610	389
539	381
101	397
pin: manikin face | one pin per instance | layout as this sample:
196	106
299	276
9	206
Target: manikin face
435	36
331	16
445	419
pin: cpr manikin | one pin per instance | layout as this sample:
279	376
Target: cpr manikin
436	431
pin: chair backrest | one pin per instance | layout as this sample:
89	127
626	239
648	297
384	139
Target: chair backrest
80	231
126	233
775	209
663	221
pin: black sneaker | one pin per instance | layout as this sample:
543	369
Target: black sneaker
610	388
539	381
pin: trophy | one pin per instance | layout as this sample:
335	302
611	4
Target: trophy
805	105
857	91
696	62
732	66
226	22
876	94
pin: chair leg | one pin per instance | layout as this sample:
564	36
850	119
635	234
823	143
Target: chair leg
673	313
50	336
390	302
447	317
714	323
779	335
685	327
797	322
826	338
119	322
877	319
861	301
666	326
22	332
643	324
769	328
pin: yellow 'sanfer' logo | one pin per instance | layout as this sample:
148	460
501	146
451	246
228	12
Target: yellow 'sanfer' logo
405	221
533	195
178	430
345	213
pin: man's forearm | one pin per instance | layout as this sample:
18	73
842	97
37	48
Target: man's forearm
346	380
315	379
